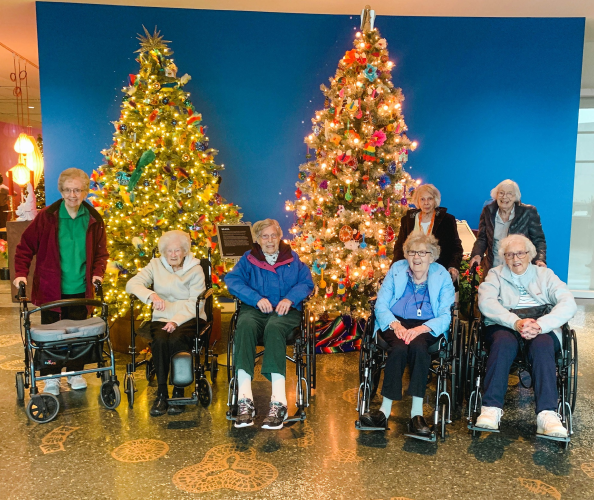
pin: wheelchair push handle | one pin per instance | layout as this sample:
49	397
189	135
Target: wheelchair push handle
98	289
22	292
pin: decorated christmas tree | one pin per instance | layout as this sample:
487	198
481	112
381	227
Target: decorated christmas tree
159	174
353	189
40	188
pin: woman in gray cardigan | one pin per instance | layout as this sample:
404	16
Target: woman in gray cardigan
177	280
506	215
518	284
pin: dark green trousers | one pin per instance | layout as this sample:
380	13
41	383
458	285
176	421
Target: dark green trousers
272	330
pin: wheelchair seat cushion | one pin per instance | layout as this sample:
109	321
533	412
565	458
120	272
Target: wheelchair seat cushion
68	329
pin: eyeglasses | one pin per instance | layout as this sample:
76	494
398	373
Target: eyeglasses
509	194
420	253
75	191
269	236
511	255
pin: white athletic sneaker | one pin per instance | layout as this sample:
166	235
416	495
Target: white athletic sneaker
52	386
548	422
77	382
489	417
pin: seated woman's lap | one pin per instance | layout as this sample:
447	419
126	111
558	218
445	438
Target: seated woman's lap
503	339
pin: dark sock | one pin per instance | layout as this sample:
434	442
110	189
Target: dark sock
178	392
162	390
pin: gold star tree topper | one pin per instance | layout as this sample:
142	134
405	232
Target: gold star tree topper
152	42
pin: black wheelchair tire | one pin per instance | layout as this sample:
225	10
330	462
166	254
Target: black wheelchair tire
129	390
204	392
36	411
573	375
443	413
110	395
214	369
20	385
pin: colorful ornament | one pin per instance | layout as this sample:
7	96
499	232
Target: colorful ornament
341	291
403	202
324	184
392	168
329	291
318	267
378	137
390	234
348	196
370	72
384	181
346	233
368	152
381	249
363	244
351	245
298	193
153	115
340	210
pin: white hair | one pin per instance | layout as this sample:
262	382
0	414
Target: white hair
516	238
259	226
507	182
431	190
417	238
180	237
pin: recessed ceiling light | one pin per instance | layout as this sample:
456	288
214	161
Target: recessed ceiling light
31	107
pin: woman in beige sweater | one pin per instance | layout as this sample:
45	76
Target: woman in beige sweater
177	280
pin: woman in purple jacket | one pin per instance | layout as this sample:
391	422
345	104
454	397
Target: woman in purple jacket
271	283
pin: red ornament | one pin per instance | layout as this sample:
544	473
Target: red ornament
390	234
153	115
298	193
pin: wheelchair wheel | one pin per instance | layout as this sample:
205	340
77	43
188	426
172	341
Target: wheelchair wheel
20	386
230	342
43	408
443	412
572	379
214	369
130	389
110	395
150	370
204	392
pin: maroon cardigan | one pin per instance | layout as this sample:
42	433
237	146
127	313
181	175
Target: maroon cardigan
41	239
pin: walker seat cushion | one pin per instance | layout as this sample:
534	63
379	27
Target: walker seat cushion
68	329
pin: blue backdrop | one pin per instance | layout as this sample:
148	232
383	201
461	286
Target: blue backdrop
487	98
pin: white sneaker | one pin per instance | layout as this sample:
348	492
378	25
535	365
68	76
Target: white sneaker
77	382
52	386
489	418
548	422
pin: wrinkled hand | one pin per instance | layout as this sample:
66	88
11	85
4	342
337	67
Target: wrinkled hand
540	263
169	327
19	280
454	273
97	278
158	303
413	333
283	307
399	330
264	305
528	328
475	260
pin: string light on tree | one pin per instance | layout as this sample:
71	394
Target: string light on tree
159	174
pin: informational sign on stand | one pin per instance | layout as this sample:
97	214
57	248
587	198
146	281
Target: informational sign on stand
466	235
234	240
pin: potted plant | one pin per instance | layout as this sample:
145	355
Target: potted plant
465	287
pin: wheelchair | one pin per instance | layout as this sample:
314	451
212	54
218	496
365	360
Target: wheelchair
57	343
566	361
186	368
302	339
475	366
444	365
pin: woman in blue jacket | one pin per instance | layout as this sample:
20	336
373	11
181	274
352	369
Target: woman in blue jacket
271	283
412	310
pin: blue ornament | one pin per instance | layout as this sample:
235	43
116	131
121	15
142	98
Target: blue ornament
370	72
147	183
165	100
411	189
392	168
123	127
215	173
201	146
174	122
123	178
141	254
384	181
180	211
173	178
124	271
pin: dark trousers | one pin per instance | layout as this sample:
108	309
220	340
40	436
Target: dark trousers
165	345
74	312
254	326
416	355
503	344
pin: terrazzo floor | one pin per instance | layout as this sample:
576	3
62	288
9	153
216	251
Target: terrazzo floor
89	452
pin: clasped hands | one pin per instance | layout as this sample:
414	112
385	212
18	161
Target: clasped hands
406	335
282	307
528	328
159	305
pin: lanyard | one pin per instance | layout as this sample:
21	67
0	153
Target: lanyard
419	309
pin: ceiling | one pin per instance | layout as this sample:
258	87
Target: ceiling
19	32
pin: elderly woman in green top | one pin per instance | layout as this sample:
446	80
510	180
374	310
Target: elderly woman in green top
68	238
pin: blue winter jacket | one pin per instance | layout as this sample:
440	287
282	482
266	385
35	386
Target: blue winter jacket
253	278
441	296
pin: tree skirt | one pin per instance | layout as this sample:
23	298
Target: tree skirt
339	335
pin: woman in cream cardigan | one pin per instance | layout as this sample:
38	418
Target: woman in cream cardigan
177	280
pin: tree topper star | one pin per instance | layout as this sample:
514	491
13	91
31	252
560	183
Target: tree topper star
152	42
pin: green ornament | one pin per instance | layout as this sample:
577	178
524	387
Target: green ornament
147	158
119	205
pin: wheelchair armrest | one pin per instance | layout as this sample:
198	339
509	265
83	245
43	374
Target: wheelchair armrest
205	294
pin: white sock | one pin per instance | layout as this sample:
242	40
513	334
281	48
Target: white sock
417	407
386	407
278	388
244	385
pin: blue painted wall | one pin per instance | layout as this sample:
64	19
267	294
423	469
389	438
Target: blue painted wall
487	99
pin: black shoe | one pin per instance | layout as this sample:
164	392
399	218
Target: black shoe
374	418
246	413
159	406
175	409
418	426
276	416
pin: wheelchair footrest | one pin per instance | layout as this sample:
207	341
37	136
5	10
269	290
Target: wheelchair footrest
298	417
182	401
361	427
554	438
432	438
473	427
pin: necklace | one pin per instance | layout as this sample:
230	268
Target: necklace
419	308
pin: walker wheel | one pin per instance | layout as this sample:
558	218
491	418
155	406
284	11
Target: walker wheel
20	386
110	395
43	408
204	392
214	369
130	389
